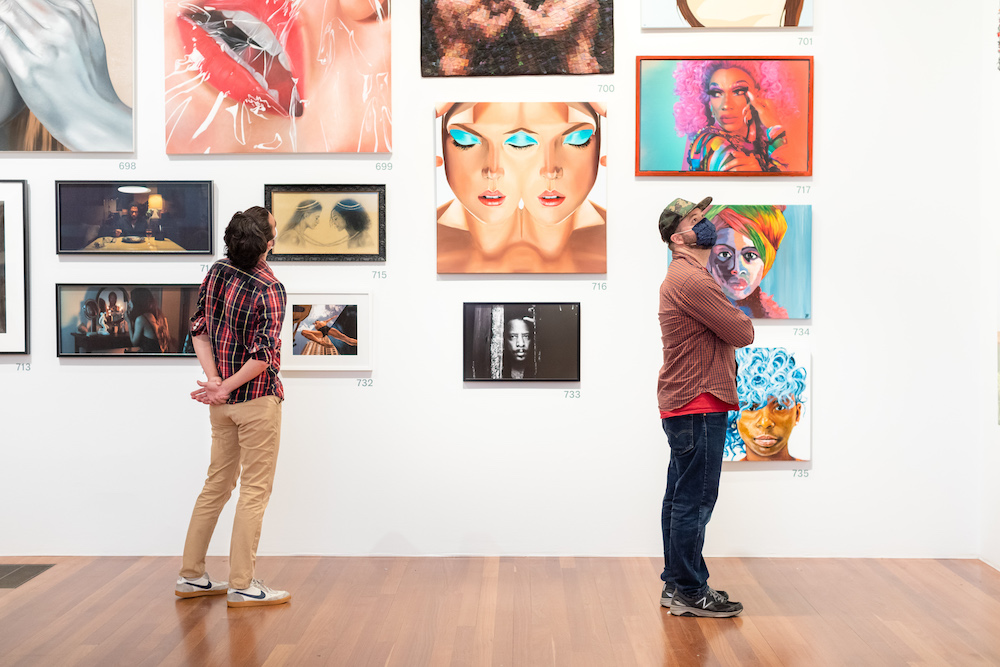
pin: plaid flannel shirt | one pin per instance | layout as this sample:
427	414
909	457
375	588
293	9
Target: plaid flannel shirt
700	330
241	312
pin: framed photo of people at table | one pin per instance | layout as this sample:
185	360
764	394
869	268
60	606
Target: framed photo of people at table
14	267
327	223
724	116
521	342
134	217
327	332
131	319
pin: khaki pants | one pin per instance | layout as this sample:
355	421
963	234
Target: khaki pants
244	435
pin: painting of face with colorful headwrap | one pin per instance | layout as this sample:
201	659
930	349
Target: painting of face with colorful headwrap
762	258
773	386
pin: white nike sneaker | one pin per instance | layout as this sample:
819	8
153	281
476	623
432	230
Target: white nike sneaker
256	595
195	588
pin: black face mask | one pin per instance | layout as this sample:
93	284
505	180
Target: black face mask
705	234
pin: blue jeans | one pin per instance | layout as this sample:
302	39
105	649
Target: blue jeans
696	445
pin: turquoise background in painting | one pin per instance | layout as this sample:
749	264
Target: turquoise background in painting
789	282
660	149
790	279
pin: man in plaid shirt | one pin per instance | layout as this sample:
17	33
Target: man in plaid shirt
697	388
236	329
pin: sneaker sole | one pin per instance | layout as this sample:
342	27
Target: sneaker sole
199	594
665	602
703	613
258	603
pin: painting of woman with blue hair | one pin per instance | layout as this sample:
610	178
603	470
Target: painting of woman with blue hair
772	384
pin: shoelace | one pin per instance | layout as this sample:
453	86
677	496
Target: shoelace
715	595
260	584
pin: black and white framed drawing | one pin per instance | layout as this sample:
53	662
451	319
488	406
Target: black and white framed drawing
132	319
327	223
522	341
66	82
327	332
13	267
134	217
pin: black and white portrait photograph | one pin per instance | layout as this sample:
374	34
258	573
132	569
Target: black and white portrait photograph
522	341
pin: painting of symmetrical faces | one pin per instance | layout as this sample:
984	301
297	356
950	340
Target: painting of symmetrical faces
762	258
733	117
277	76
521	188
66	76
498	37
772	424
727	13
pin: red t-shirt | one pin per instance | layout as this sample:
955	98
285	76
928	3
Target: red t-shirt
700	404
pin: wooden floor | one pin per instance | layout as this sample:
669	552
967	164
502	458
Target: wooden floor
506	611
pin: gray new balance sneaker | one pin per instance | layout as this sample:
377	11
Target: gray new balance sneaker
667	596
710	604
196	588
256	595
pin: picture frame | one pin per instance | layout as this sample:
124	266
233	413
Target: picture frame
321	85
565	37
342	341
780	14
101	116
521	342
97	319
327	223
134	217
521	187
774	420
14	275
717	131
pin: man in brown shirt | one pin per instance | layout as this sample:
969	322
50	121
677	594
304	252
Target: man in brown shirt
696	389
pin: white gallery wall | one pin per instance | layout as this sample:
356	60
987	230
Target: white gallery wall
988	253
106	456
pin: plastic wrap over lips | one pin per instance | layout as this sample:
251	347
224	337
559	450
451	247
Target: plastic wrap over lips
257	61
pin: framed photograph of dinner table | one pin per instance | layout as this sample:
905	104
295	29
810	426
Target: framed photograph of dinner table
130	319
134	217
327	223
724	116
327	332
13	267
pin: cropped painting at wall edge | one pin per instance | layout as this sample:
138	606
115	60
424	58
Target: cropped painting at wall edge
773	420
66	78
734	116
727	13
521	187
282	76
508	37
14	292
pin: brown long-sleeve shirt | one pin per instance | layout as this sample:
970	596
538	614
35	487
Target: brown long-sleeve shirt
700	331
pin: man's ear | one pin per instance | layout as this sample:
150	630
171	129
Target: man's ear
798	412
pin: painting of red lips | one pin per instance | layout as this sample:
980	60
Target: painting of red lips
277	76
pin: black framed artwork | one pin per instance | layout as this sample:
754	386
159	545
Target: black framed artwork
132	319
327	223
507	342
14	267
134	217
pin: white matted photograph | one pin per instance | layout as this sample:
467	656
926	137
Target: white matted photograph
327	332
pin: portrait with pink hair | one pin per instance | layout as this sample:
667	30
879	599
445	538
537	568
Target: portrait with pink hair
739	116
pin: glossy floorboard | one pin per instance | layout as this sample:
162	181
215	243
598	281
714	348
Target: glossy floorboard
506	612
